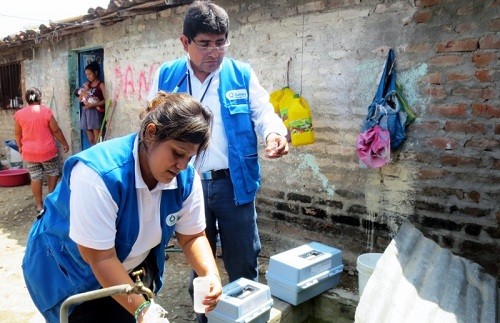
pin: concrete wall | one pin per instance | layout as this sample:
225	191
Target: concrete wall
444	179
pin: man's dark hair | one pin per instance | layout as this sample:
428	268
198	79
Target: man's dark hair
205	17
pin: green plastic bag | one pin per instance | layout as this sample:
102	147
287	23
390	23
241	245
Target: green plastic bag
411	116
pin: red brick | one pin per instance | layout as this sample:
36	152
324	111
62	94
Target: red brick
442	143
495	25
481	253
443	191
484	75
494	232
422	16
416	48
496	166
460	161
483	94
466	127
447	60
489	42
432	173
485	110
482	144
448	110
465	11
432	78
425	127
466	28
425	158
483	59
464	45
458	77
474	196
436	92
426	3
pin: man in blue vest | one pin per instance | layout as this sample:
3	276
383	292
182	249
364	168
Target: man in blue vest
229	168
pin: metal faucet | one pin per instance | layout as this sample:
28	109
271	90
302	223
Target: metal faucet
138	288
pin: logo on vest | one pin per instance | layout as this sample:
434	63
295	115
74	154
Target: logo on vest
172	219
237	94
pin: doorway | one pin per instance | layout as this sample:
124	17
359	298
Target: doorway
85	58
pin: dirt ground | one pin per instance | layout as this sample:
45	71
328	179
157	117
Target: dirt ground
17	213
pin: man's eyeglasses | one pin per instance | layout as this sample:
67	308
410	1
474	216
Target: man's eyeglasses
205	48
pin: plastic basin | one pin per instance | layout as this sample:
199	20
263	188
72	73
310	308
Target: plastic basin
14	177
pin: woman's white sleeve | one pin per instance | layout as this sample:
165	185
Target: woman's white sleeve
93	211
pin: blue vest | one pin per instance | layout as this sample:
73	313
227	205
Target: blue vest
52	266
237	119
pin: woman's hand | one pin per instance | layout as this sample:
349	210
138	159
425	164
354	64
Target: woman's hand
213	297
199	255
154	313
109	271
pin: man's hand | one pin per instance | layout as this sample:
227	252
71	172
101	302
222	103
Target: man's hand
276	146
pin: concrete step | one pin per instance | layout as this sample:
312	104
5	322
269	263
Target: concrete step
335	305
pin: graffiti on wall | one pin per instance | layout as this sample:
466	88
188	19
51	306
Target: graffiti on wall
133	83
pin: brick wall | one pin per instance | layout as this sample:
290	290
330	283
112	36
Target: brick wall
445	177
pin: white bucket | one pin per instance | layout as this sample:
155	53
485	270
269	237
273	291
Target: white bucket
15	159
365	265
15	156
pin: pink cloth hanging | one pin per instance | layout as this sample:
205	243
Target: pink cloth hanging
374	147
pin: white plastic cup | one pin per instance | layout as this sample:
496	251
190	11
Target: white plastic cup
201	286
366	265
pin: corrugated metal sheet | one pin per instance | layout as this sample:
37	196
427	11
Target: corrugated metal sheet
416	280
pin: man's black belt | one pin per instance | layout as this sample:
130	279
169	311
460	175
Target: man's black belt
215	174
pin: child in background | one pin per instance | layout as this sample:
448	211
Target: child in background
84	95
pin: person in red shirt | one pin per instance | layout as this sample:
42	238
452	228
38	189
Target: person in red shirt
36	131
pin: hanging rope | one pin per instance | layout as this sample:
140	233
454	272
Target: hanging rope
288	72
302	54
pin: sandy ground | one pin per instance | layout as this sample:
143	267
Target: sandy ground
17	213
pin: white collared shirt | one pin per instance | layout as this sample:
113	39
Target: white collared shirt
94	212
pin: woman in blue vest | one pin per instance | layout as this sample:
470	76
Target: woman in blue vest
115	210
242	111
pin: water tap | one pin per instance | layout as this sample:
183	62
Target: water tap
139	287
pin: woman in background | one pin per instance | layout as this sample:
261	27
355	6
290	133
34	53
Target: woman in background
93	101
35	132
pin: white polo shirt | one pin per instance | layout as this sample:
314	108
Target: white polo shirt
93	212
